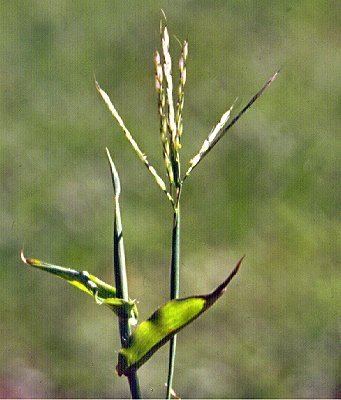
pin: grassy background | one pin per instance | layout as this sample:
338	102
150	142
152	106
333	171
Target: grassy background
269	189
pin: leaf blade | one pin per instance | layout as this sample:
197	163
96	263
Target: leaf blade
163	324
102	292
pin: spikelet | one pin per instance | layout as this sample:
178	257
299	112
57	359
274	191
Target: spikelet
167	69
159	86
180	103
210	140
131	140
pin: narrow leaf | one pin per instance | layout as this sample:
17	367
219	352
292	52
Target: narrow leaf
102	292
169	319
120	273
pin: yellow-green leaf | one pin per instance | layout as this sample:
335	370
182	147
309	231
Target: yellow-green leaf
164	323
102	292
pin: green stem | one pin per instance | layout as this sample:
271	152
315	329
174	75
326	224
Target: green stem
174	288
121	283
120	273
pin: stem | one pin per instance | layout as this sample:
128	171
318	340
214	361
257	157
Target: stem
120	273
174	287
121	283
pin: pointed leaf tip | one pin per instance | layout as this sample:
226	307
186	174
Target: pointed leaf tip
114	175
220	290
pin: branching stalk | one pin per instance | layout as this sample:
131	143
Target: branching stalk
120	274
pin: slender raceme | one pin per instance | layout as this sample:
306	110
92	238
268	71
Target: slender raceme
212	140
132	141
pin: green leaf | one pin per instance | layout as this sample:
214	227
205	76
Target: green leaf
102	292
169	319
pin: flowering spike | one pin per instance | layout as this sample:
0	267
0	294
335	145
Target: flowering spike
182	82
213	139
131	140
208	143
167	68
159	84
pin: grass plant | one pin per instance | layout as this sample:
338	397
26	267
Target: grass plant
140	343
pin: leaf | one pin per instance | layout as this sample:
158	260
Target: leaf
169	319
120	270
102	292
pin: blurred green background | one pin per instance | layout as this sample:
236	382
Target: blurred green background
268	190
